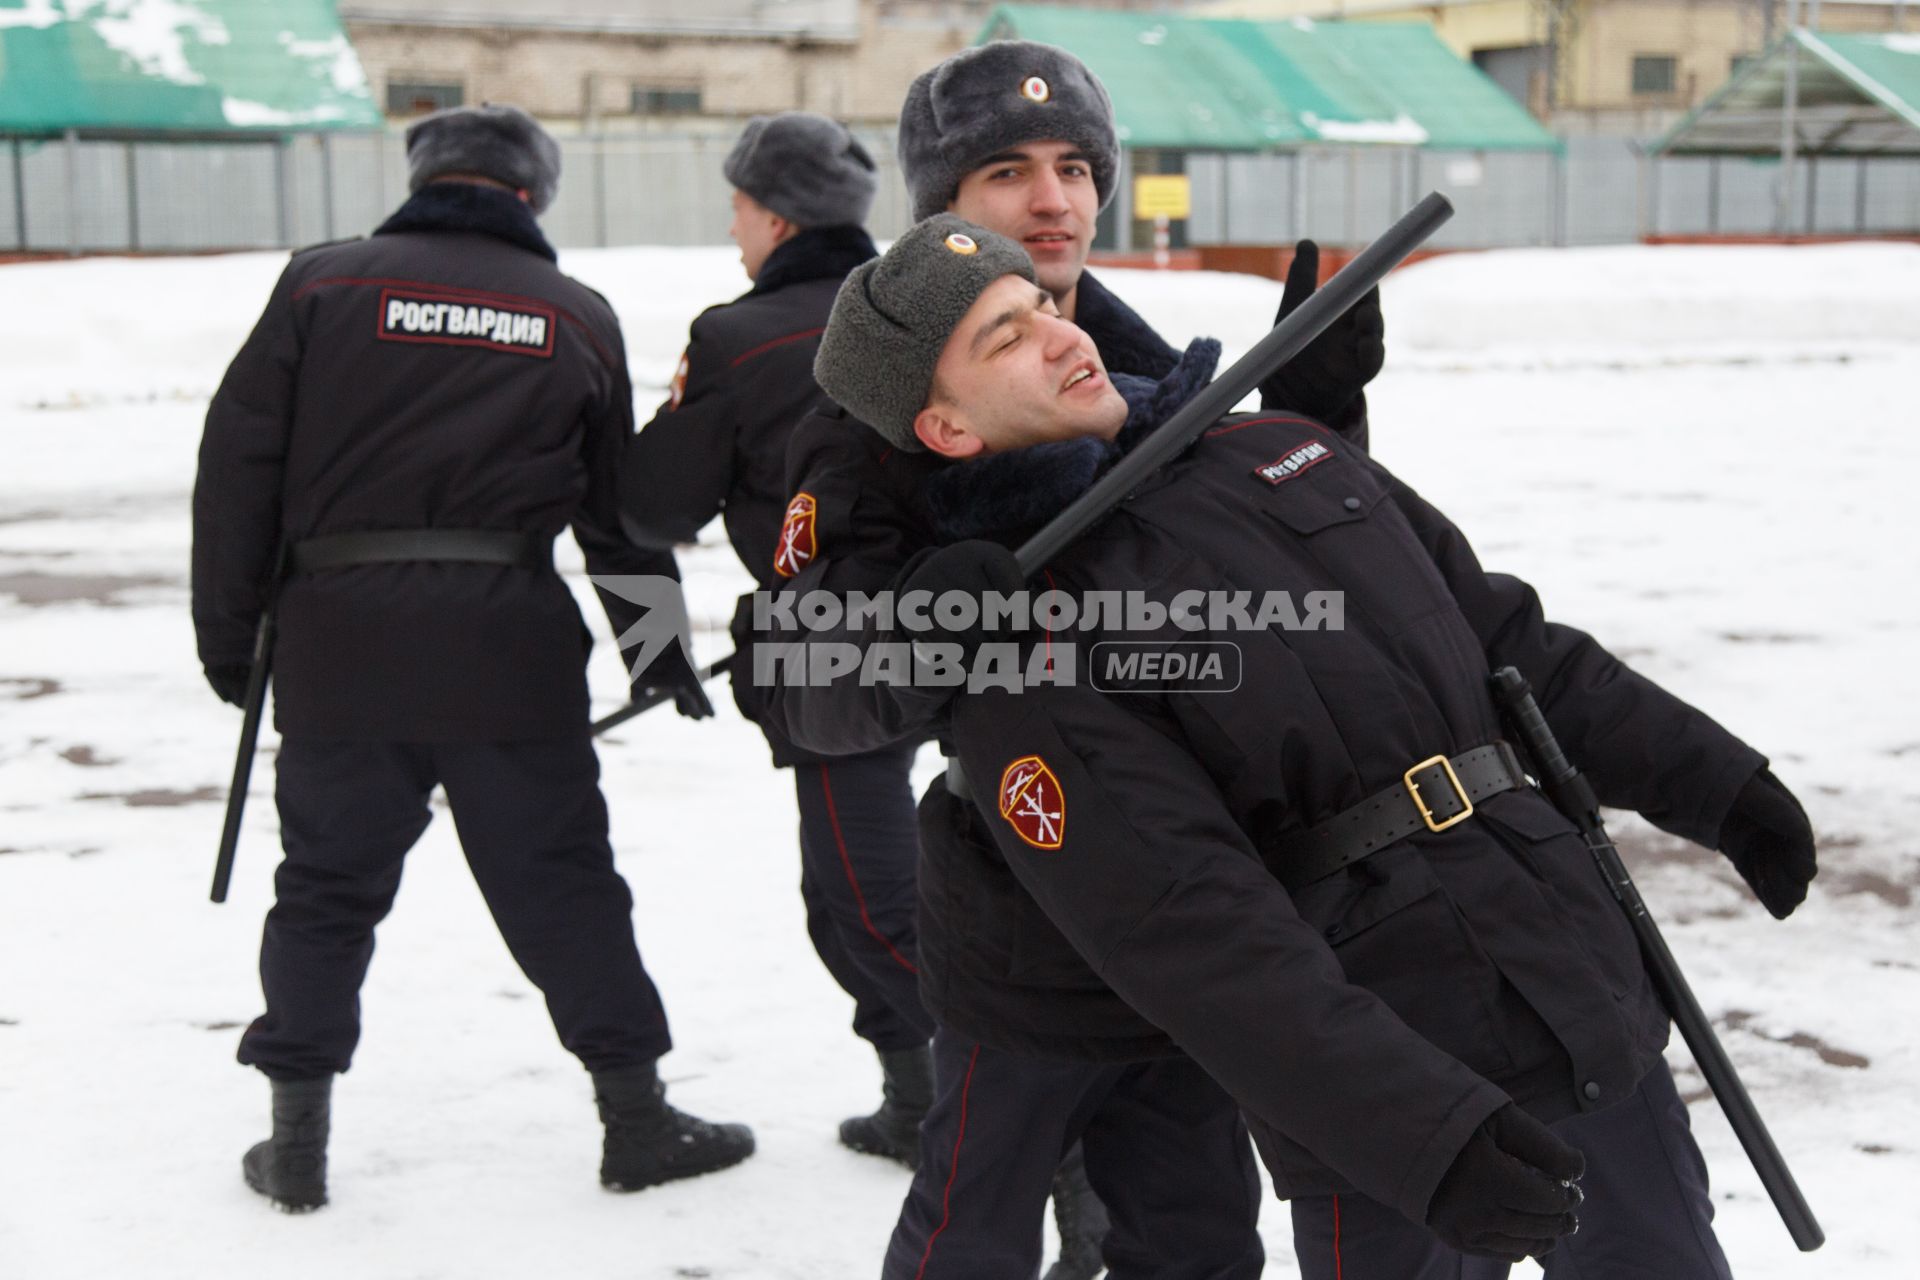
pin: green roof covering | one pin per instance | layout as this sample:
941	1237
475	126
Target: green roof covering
1231	85
178	65
1858	95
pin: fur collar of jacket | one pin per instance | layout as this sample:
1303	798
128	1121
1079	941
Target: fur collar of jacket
818	253
468	206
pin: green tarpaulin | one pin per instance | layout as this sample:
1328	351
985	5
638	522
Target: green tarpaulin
178	66
1231	85
1857	95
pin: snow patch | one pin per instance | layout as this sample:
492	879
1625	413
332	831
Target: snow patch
1654	304
1403	130
343	65
37	14
152	34
239	111
1736	532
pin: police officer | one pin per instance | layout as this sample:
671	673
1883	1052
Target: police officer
1335	888
1019	137
718	446
386	463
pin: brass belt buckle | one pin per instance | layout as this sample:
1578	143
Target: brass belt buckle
1426	814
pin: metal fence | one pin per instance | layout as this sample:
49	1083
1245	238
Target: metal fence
82	195
1600	190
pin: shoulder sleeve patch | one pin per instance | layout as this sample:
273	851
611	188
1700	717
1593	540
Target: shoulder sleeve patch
798	542
1033	803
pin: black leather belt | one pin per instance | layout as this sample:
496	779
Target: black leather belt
1433	795
398	546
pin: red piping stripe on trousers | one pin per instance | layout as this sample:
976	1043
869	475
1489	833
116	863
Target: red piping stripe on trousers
1339	1269
859	898
953	1168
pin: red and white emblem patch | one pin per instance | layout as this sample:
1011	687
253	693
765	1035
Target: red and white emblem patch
796	548
677	389
1033	803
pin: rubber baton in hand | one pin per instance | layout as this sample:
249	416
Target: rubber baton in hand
255	703
653	697
1572	795
1286	340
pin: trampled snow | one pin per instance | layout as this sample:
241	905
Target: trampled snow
1704	456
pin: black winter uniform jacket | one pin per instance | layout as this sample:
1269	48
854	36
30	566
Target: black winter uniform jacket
718	446
864	522
1370	1021
441	374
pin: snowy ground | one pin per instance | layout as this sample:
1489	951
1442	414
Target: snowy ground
1703	455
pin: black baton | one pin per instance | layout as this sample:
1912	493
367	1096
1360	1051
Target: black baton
1286	340
256	701
654	697
1574	797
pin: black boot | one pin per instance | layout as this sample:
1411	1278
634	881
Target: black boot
290	1168
1081	1219
906	1092
648	1142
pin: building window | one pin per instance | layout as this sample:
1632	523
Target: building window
665	100
1655	74
1521	70
418	97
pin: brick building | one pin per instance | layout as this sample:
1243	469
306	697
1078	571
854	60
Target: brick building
649	64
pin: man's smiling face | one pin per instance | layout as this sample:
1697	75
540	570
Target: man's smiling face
1016	373
1041	195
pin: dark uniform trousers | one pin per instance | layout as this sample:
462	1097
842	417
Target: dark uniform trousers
533	823
1647	1215
1165	1149
857	852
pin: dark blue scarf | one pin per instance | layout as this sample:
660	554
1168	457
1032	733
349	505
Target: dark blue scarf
1127	344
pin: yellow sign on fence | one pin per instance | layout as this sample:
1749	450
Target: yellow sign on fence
1162	195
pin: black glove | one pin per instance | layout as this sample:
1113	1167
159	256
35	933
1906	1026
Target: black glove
1769	841
671	672
1323	380
1510	1192
229	680
974	567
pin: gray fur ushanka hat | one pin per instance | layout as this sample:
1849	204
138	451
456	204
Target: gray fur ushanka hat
493	140
991	98
805	167
894	314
